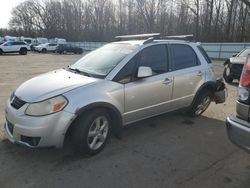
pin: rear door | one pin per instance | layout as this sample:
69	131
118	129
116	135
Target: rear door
149	96
189	74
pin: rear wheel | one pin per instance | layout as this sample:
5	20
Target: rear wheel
91	132
227	74
23	51
1	51
200	104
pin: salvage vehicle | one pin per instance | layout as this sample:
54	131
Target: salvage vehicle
66	48
47	47
238	125
234	65
14	47
118	84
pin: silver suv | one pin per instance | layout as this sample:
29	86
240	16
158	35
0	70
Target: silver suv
113	86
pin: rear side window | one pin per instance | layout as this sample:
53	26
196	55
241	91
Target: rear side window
155	57
204	54
183	56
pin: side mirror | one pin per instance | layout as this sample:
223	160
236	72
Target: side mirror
144	72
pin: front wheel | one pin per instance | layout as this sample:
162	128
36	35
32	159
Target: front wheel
227	74
91	132
44	50
200	104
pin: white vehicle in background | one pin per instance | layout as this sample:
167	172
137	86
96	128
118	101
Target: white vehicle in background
10	38
58	40
38	41
28	40
47	47
14	47
41	40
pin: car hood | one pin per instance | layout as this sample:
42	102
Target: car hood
51	84
238	60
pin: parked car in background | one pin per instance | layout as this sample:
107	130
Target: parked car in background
234	65
65	48
238	125
33	46
47	47
14	47
115	85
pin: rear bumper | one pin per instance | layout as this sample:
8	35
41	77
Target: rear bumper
239	132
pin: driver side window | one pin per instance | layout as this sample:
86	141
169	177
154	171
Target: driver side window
155	57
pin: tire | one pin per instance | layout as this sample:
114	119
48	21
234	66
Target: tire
44	50
227	74
1	51
86	137
23	51
200	104
64	51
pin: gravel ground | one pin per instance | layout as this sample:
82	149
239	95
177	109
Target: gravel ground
170	150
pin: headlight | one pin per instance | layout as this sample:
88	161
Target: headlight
46	107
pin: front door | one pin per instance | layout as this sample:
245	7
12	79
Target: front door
150	96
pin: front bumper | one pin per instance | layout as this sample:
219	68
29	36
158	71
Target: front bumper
239	132
33	132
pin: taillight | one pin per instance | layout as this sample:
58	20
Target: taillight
245	76
243	90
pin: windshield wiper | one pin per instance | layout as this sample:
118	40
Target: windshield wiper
80	72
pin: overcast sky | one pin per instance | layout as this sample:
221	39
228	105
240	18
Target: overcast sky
5	11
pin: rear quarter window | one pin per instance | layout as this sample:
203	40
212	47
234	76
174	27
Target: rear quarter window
183	56
204	54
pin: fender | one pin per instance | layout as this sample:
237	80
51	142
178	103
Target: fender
115	115
208	85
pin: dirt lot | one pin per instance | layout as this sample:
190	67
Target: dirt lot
167	151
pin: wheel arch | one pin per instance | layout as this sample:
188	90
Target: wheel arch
113	112
210	85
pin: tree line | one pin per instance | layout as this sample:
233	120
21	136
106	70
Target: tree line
101	20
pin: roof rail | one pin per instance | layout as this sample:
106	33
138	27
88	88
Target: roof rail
139	36
180	37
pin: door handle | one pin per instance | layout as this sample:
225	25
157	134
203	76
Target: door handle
200	73
167	81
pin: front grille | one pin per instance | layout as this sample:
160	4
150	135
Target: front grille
17	103
10	127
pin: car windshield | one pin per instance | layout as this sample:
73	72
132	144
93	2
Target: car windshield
103	60
244	53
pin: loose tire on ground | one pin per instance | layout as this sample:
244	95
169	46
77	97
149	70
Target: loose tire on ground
86	130
200	104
